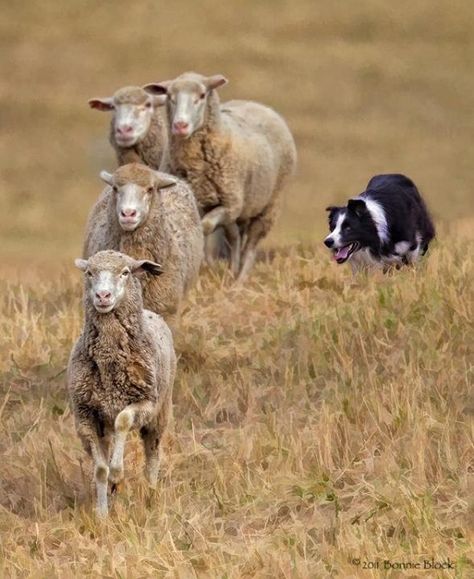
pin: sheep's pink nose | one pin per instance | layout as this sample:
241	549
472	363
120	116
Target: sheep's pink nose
103	295
128	213
124	129
180	126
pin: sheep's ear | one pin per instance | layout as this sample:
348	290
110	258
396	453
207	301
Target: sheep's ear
81	264
357	206
164	181
107	177
215	81
105	104
158	87
143	266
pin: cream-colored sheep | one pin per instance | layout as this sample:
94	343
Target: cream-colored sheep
237	156
121	370
150	215
138	130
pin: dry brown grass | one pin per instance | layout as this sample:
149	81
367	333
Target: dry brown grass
318	417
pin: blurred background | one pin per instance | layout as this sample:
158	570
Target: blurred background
366	87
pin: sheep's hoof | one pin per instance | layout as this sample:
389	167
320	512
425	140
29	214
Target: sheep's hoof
102	512
116	474
207	227
116	487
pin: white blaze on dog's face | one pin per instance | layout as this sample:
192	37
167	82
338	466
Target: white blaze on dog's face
133	110
134	187
348	232
107	276
334	238
186	100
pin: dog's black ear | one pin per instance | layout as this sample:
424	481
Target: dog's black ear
357	207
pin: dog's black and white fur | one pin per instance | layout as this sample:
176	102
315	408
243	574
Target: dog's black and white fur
387	224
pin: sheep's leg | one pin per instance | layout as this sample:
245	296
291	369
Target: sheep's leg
88	434
214	246
134	415
256	231
213	218
221	216
152	435
233	237
105	443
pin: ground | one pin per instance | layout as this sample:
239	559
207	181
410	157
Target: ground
322	422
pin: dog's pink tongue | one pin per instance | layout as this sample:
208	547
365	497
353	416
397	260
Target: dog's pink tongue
342	253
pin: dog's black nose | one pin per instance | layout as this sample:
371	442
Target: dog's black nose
328	242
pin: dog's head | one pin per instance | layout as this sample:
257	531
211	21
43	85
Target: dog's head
351	229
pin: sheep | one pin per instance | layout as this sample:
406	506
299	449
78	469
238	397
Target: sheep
237	156
139	130
150	215
121	370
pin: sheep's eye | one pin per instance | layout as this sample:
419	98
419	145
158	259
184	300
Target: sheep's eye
202	95
89	273
114	189
148	105
150	189
125	273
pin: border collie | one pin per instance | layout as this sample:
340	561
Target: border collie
387	224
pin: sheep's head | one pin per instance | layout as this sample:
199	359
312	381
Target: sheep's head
134	186
109	274
187	100
133	109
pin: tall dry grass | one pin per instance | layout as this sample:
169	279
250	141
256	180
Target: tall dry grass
319	418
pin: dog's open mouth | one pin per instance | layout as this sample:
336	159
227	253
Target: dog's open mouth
343	253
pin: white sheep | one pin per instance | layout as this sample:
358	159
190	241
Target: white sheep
236	156
150	215
138	131
121	369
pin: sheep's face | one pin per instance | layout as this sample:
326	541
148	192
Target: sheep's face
133	110
187	100
132	122
108	275
134	186
132	204
186	107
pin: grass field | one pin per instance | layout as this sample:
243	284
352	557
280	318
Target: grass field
321	421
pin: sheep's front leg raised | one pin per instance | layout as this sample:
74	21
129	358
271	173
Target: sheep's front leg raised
87	432
134	415
215	217
220	216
